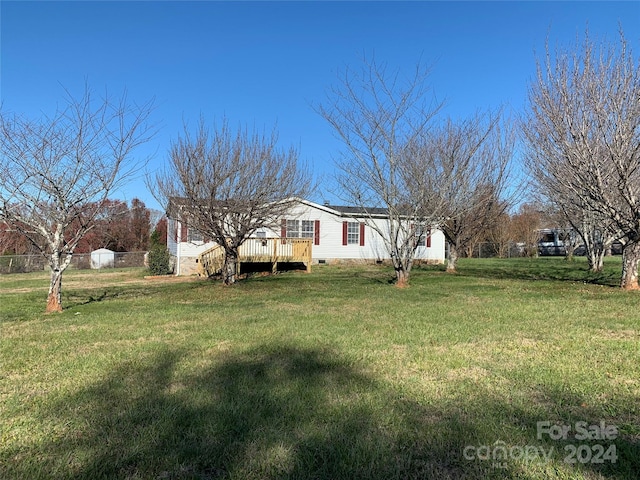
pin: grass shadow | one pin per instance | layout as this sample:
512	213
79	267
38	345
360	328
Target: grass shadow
273	412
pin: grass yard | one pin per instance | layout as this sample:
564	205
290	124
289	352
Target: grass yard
330	375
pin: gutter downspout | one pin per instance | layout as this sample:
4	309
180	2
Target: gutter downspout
178	249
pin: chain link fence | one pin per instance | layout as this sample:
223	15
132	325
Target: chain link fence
79	261
495	250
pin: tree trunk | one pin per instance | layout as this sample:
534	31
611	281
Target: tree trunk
469	251
54	299
229	269
597	263
568	256
630	259
600	261
452	258
569	249
591	258
402	277
595	257
402	267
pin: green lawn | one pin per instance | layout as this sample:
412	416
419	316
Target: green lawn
335	374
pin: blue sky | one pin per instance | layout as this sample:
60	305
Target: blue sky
265	63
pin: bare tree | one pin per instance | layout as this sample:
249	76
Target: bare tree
464	169
57	171
501	235
379	116
582	132
597	232
525	228
229	184
564	223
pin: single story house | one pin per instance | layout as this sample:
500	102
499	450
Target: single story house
336	234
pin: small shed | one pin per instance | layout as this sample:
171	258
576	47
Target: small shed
102	258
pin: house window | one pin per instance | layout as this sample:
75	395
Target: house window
307	229
301	229
293	229
421	235
424	236
353	233
194	235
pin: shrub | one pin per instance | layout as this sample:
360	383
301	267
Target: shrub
159	260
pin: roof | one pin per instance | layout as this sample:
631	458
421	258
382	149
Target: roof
358	211
100	251
341	210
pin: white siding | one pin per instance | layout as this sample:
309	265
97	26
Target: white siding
184	253
330	246
172	244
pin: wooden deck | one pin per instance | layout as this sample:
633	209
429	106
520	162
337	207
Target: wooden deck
259	250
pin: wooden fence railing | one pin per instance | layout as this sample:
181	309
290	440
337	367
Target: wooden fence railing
259	250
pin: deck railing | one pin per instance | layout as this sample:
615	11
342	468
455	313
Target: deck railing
259	250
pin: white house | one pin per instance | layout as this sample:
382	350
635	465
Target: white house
337	234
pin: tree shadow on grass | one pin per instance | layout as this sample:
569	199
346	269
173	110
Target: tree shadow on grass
74	297
545	268
273	412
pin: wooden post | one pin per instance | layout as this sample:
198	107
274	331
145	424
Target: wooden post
274	260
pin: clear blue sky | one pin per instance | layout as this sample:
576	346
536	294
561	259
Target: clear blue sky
265	63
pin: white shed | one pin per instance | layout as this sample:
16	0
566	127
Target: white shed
102	258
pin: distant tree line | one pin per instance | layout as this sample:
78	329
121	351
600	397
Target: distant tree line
118	226
519	234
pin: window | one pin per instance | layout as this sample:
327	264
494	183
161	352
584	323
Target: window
548	238
261	236
293	229
307	229
194	235
421	233
353	233
300	229
424	234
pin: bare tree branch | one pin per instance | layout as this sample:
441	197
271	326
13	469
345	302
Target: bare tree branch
464	172
582	132
57	171
228	184
378	115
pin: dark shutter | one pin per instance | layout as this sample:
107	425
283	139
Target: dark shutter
362	234
344	233
283	230
316	232
183	232
429	237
